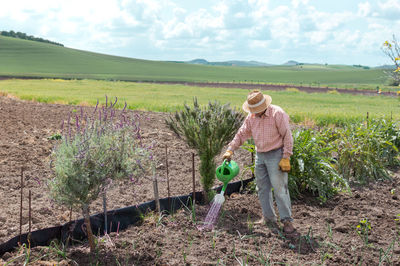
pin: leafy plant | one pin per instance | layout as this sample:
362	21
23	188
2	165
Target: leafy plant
207	130
313	169
363	230
101	147
55	136
364	151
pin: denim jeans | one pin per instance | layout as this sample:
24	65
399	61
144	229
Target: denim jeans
268	176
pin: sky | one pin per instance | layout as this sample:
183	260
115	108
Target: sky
270	31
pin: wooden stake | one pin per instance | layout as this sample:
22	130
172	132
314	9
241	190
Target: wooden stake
20	213
252	163
166	164
30	215
70	214
194	183
155	188
105	211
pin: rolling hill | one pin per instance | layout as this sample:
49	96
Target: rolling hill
24	58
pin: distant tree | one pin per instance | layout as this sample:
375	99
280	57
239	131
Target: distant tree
392	50
24	36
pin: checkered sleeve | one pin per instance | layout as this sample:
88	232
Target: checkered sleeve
285	132
241	136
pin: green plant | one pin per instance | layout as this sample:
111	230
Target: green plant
161	217
102	147
384	255
213	240
364	150
250	224
207	130
263	259
58	248
249	146
55	136
329	231
243	261
193	212
363	230
312	166
24	251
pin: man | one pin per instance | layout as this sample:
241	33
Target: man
269	126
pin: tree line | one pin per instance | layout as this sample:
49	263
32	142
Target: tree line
24	36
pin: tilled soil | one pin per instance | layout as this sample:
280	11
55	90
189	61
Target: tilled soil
327	233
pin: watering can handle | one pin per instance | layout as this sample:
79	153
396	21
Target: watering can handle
223	165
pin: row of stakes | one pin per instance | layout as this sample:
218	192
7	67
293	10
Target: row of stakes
155	187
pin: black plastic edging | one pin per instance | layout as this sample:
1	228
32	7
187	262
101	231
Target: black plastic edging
118	219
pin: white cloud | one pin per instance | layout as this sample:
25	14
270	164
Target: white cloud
390	9
364	9
240	29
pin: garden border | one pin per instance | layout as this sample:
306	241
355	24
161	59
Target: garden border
119	219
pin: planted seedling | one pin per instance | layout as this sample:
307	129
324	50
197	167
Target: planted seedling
56	136
363	230
250	224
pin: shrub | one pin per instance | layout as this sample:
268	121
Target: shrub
207	130
365	150
100	148
324	162
313	168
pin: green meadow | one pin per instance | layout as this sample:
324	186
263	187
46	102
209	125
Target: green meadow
24	58
316	108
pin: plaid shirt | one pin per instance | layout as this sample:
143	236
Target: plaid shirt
270	131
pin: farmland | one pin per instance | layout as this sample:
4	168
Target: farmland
322	108
23	58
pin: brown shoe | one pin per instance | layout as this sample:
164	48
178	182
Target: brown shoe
269	223
288	227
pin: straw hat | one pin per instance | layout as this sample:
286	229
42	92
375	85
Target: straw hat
256	102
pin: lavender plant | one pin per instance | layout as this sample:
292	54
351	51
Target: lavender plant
95	150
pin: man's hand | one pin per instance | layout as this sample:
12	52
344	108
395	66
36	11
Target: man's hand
227	155
284	165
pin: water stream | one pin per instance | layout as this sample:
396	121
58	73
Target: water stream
212	215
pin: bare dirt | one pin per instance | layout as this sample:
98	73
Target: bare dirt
277	87
327	233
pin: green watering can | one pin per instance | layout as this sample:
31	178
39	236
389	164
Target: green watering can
226	172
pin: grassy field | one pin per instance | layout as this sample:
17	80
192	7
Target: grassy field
319	108
34	59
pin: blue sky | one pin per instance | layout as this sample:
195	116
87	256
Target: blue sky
271	31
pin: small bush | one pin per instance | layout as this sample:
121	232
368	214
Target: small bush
313	168
99	148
